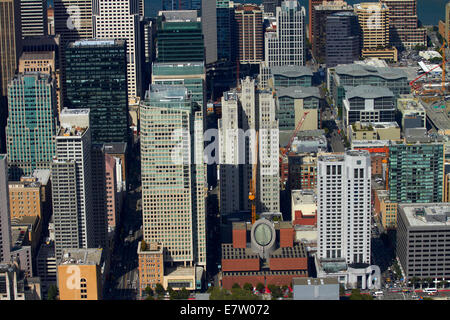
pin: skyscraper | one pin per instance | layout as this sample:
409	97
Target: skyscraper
173	175
319	31
73	20
270	6
250	33
374	22
10	50
179	37
286	45
5	221
34	17
32	122
96	78
416	172
209	26
404	24
244	113
124	16
72	185
342	39
344	206
226	47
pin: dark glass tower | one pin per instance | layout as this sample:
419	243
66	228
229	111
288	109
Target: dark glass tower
96	78
271	6
179	37
226	50
181	4
342	39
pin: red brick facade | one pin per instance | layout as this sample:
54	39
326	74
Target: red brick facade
304	220
286	237
288	264
278	280
239	238
240	264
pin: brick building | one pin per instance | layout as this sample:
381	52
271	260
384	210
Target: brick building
270	257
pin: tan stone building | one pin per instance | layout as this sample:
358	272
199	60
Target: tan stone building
386	209
80	274
374	131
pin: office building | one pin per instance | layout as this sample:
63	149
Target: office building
151	265
112	201
124	15
168	5
42	62
374	25
226	46
413	114
304	207
243	112
5	220
353	75
250	33
302	171
96	78
319	32
385	209
311	14
416	171
342	39
46	265
174	180
73	19
31	126
14	285
191	75
286	45
33	17
37	190
270	6
290	76
179	37
344	206
404	28
10	50
368	104
88	283
294	102
72	187
368	131
209	26
50	20
422	240
263	252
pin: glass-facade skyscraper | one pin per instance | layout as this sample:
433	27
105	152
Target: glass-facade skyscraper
96	78
226	48
31	125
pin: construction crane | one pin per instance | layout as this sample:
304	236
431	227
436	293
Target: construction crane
284	151
252	193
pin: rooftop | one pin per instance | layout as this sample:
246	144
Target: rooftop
291	71
42	175
180	15
421	135
300	197
298	92
72	131
314	281
82	256
359	70
115	147
426	214
18	238
38	55
368	92
96	43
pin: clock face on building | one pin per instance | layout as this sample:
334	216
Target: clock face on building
263	234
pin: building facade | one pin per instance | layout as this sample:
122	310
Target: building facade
5	220
32	121
33	17
249	26
344	206
96	78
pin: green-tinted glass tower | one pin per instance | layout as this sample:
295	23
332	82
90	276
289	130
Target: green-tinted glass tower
32	122
179	37
96	78
416	172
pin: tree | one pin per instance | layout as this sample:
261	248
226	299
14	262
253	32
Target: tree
276	291
159	289
356	295
219	294
149	291
248	286
236	286
260	287
52	292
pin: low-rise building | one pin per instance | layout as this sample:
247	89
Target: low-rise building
304	207
151	265
14	285
80	274
374	131
315	288
264	252
21	249
385	209
302	171
412	112
290	76
423	240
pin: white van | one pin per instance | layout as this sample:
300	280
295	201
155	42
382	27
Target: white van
378	293
430	290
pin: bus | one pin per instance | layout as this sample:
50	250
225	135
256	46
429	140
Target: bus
430	291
